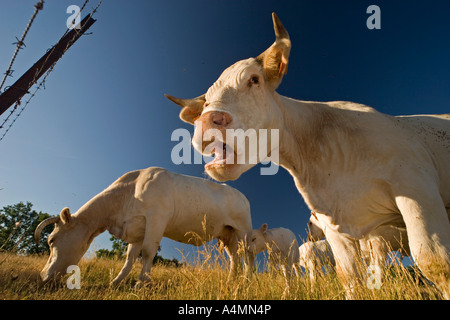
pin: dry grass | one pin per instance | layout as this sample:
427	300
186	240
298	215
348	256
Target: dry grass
204	279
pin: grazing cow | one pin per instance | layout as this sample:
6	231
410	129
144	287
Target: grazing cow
358	167
313	256
282	245
140	208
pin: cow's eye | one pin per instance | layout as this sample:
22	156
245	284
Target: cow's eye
254	79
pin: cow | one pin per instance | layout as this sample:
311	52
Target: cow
314	255
140	208
358	167
281	243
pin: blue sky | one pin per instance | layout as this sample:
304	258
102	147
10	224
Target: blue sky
103	112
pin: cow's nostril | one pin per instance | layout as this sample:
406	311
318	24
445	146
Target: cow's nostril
217	119
220	119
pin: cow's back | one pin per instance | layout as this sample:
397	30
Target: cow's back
284	239
203	207
196	194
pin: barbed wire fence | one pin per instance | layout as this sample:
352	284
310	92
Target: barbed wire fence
8	122
21	43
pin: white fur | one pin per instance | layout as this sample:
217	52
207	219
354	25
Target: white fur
143	206
282	245
359	168
314	256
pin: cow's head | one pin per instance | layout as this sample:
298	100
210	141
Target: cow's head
68	242
242	98
315	232
258	240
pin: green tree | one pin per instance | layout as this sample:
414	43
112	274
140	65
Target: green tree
17	225
118	251
119	247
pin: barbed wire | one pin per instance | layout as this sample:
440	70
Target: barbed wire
10	113
38	7
42	82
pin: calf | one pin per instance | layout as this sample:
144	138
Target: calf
281	244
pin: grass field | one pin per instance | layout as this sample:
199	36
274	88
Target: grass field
206	279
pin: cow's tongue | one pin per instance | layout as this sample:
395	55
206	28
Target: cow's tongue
220	155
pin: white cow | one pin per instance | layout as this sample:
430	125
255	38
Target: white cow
282	245
280	242
358	167
140	208
313	256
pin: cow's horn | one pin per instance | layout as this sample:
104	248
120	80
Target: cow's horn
42	225
280	30
192	108
181	102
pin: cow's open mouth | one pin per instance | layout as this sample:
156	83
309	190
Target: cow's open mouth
223	155
225	165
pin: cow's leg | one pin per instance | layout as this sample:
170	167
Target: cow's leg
232	238
289	264
345	251
296	267
374	252
311	267
287	270
154	230
428	231
132	253
233	256
231	243
249	257
249	262
378	251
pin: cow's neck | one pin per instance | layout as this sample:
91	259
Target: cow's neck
94	215
311	138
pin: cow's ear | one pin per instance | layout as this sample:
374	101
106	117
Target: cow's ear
192	108
263	227
65	215
276	58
